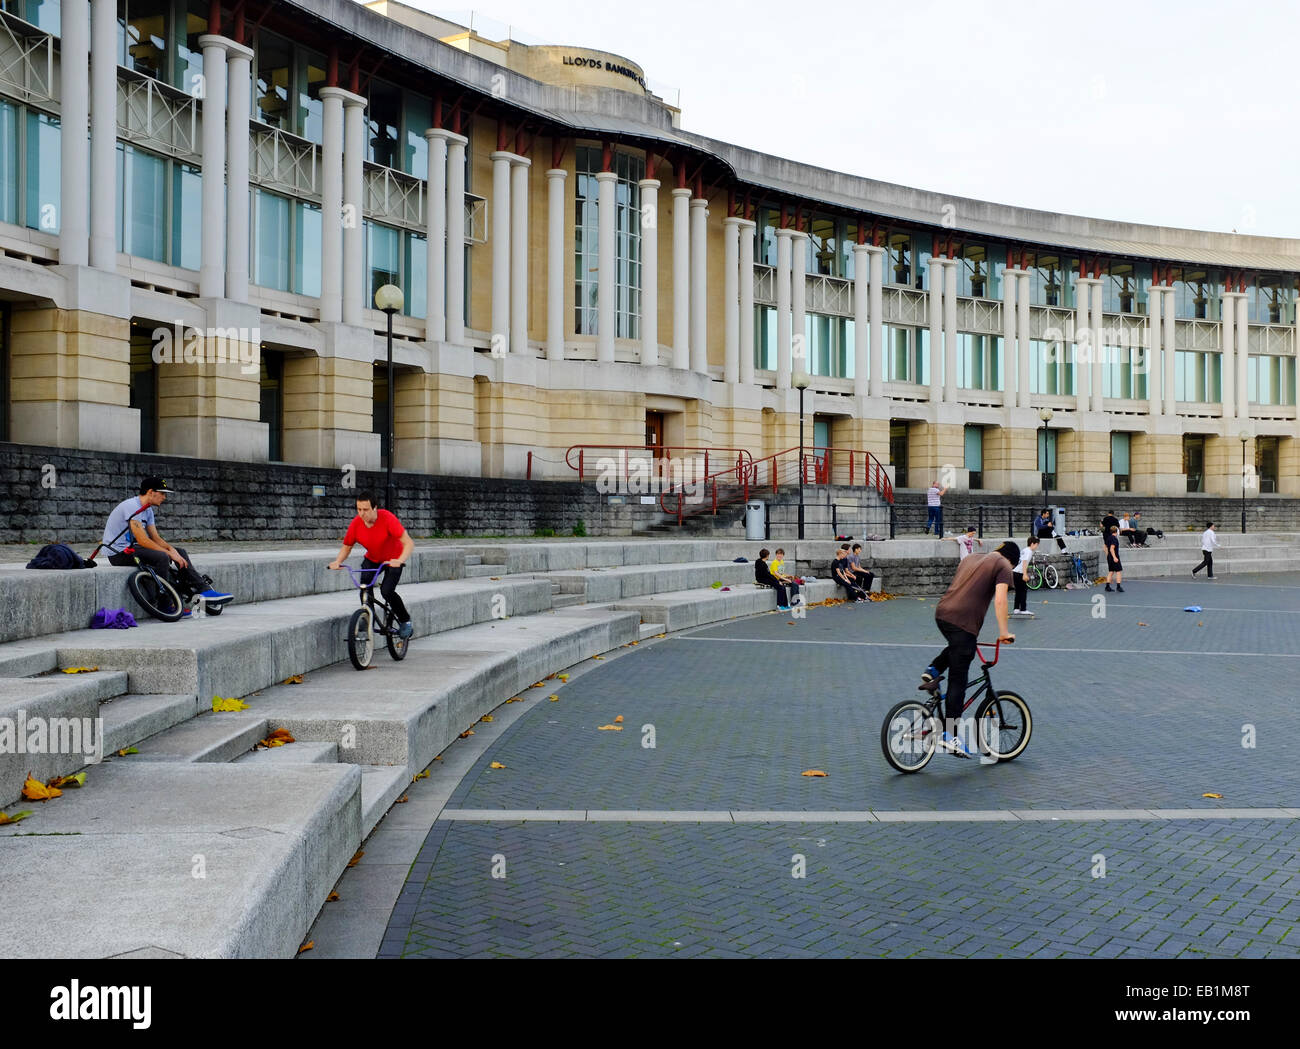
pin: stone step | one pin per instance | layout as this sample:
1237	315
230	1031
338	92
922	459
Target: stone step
567	600
132	718
381	786
1183	566
480	570
611	584
206	738
473	559
296	753
685	609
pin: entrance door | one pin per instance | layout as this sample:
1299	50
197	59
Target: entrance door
654	440
898	452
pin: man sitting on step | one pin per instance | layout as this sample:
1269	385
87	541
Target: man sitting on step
763	577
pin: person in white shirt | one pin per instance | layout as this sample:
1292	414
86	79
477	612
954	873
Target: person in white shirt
1022	579
1126	529
966	542
1208	543
934	508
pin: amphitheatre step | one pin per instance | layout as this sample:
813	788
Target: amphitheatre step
682	610
207	738
611	584
130	719
195	860
26	659
478	571
381	786
556	557
296	753
567	600
59	601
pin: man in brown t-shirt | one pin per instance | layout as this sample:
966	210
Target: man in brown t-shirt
981	579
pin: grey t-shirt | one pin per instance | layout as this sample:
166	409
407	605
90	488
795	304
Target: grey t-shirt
117	521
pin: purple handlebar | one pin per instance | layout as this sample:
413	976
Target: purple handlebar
374	572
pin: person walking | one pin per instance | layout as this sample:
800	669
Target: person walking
1209	541
1114	570
934	508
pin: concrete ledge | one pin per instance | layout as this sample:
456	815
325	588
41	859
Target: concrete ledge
681	611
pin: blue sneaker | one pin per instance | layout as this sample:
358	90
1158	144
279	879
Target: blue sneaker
405	630
783	608
953	745
211	594
930	673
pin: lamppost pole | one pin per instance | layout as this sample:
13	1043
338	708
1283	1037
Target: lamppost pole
1046	415
389	298
1244	438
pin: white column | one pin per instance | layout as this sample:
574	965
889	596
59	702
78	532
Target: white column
731	299
456	238
212	264
1228	351
354	153
519	254
331	204
103	135
1153	357
1170	322
1084	348
1099	349
649	271
936	326
74	92
876	382
861	313
238	66
1010	358
500	211
681	279
1243	356
747	229
783	308
1022	334
699	286
950	330
555	264
606	291
800	358
435	239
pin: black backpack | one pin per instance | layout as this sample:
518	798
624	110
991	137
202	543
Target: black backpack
58	555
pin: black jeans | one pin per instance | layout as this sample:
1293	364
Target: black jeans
158	561
864	578
956	659
1207	562
388	587
851	590
1022	593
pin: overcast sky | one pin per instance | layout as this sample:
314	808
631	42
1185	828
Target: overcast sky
1170	113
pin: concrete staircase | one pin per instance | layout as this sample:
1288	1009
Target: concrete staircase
1179	552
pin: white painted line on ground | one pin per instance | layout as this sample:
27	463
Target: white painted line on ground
1016	648
854	816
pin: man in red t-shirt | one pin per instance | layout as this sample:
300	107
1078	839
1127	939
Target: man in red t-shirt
386	543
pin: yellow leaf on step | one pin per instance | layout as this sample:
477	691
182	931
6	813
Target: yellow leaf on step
494	578
814	772
307	946
496	765
79	670
6	818
331	897
563	677
553	699
611	728
661	635
278	738
403	799
420	775
127	750
293	679
618	720
486	717
516	699
597	657
220	705
357	858
76	780
1211	795
538	684
467	733
35	790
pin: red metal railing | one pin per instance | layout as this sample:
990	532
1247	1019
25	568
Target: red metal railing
661	461
846	466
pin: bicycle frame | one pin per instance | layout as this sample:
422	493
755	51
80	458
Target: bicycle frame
367	595
981	685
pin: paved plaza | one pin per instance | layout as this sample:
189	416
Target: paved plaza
1097	841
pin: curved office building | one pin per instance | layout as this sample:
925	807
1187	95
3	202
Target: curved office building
199	200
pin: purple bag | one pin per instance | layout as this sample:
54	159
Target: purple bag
112	619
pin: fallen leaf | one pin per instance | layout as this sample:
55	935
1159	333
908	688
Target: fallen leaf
1211	795
597	657
467	733
220	705
127	750
293	679
611	728
813	772
420	775
553	699
789	622
403	799
486	717
634	643
307	946
357	858
1140	623
76	780
1200	624
438	758
618	720
494	578
496	765
6	818
661	635
278	738
34	790
538	684
331	897
563	677
79	670
517	699
548	677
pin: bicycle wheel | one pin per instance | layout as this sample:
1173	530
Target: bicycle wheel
1035	577
1004	726
397	645
361	638
156	596
1050	577
908	736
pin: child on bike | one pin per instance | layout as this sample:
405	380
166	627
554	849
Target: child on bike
388	545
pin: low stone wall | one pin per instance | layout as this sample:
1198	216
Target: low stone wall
66	495
925	576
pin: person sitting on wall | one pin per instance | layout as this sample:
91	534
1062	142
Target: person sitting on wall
862	576
1140	531
842	572
778	570
1126	529
763	577
1046	528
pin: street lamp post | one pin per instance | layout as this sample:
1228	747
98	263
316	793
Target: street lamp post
389	298
1046	415
1244	438
800	383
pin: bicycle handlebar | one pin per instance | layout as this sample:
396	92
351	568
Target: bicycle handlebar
354	572
997	644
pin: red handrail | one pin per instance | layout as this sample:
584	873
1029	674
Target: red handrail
735	456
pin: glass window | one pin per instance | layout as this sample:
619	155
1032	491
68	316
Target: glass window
1047	454
765	248
309	119
974	455
306	248
1051	368
765	338
822	247
193	18
1266	461
142	205
271	90
41	13
383	119
142	29
898	259
1194	462
416	285
1198	294
187	216
8	163
270	240
43	152
977	361
383	258
144	385
418	118
272	406
627	242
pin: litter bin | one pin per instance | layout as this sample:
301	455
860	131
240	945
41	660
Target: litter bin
756	520
1058	520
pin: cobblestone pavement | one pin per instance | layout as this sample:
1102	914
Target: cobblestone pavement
1140	709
